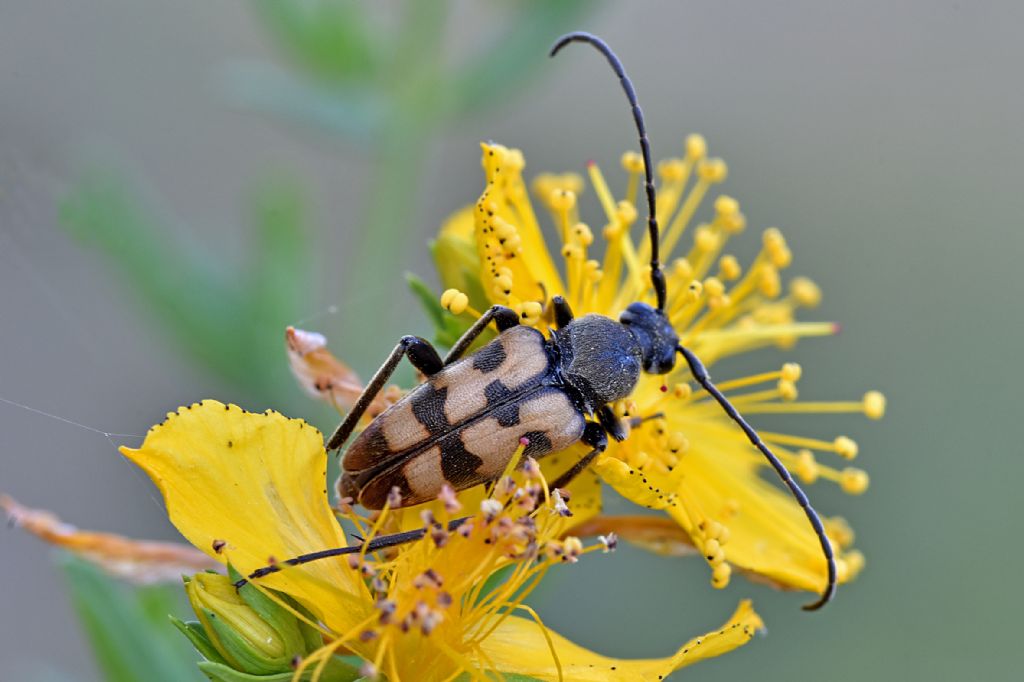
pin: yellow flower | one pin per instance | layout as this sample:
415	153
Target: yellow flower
251	489
692	462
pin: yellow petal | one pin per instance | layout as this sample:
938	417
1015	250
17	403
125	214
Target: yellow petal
140	561
768	532
519	646
253	486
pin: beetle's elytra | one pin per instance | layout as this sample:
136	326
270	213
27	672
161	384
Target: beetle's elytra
464	423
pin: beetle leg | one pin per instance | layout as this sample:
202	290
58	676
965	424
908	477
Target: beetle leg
563	313
422	356
504	318
611	424
594	436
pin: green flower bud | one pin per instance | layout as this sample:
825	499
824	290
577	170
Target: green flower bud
244	628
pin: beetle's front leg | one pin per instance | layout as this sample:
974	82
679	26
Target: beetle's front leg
423	357
594	436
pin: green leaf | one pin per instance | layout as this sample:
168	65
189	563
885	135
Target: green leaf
447	327
330	38
129	641
353	111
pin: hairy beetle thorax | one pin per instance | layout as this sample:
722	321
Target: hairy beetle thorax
599	358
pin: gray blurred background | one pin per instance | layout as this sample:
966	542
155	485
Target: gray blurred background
885	139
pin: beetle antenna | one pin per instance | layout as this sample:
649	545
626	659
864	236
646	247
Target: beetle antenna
377	543
657	276
701	375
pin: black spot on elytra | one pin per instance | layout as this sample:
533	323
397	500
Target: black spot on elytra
506	415
490	357
428	407
375	442
539	445
497	393
458	464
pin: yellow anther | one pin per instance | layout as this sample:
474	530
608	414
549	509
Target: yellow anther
705	239
714	287
712	170
625	213
682	390
792	371
719	302
806	466
503	282
845	447
514	160
505	271
734	223
640	459
854	563
732	507
696	147
839	531
713	529
512	244
712	549
787	390
572	545
772	238
768	281
530	312
874	405
583	234
672	170
694	290
720	575
562	199
572	252
853	481
611	232
730	267
677	442
503	229
454	301
682	269
805	292
619	408
633	162
842	570
726	206
631	406
781	257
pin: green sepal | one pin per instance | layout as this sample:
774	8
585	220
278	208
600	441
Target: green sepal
288	627
335	671
193	630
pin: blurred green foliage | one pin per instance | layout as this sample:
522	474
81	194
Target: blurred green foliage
384	85
128	629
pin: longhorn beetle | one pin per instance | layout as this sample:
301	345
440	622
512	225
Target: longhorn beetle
464	423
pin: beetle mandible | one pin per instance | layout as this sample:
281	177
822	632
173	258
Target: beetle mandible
462	425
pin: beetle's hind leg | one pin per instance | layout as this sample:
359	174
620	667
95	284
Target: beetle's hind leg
594	436
504	318
423	357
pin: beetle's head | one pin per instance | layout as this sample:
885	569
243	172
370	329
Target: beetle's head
657	339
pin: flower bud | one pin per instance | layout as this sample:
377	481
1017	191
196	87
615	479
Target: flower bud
244	628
